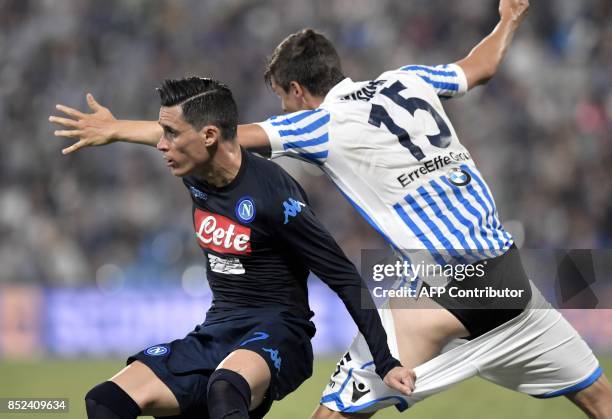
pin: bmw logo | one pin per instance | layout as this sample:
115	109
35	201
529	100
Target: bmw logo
157	350
245	209
459	177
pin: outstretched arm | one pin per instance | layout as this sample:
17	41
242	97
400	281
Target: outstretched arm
100	127
482	62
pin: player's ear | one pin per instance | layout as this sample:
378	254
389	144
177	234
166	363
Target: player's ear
296	89
210	134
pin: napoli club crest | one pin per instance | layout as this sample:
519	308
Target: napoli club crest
245	209
158	350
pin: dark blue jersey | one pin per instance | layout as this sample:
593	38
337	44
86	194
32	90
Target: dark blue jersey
261	239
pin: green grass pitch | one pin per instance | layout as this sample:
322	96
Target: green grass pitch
472	399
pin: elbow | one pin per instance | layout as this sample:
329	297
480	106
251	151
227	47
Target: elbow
484	80
489	73
478	72
484	75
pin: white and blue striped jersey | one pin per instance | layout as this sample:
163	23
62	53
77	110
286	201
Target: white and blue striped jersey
392	151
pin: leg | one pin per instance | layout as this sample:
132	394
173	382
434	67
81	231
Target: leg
422	329
238	385
595	400
323	412
109	401
145	389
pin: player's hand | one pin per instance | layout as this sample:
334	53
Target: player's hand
89	129
513	10
401	379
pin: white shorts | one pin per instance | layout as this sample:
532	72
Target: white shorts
538	353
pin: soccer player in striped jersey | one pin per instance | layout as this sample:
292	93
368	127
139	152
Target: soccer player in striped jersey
392	151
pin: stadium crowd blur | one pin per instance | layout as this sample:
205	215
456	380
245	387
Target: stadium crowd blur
540	131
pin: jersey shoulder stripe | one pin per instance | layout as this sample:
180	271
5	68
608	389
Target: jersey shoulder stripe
303	134
435	71
294	118
305	130
448	80
307	143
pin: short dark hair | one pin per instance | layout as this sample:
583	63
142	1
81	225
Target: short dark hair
203	101
307	57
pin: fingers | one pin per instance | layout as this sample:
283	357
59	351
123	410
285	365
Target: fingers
402	380
71	123
93	105
74	147
409	380
69	111
403	385
73	133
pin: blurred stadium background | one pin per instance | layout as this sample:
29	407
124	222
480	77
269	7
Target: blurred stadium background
97	258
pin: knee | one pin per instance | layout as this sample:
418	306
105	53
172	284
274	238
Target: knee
109	401
228	395
323	412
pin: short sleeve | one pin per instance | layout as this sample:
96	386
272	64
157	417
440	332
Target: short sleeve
448	80
303	134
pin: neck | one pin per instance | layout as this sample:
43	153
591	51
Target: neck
223	166
313	102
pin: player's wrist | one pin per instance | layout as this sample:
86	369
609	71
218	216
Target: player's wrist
384	369
113	131
510	21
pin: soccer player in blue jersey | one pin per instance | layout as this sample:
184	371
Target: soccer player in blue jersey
393	152
260	237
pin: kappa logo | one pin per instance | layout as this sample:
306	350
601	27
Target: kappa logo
274	356
221	234
292	208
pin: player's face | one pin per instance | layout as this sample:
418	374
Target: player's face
290	102
183	147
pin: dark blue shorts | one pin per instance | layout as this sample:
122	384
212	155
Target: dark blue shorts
184	365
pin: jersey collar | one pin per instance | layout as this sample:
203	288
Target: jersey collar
341	89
